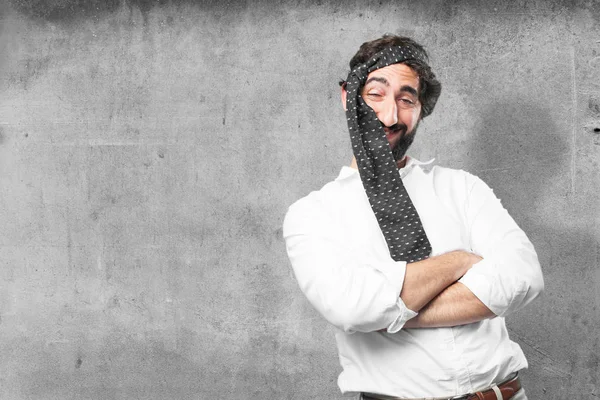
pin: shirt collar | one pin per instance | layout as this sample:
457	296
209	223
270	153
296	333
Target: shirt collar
348	172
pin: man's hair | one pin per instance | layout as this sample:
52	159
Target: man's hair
429	87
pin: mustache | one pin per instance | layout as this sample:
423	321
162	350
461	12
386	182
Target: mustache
396	127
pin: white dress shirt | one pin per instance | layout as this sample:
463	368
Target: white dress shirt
342	264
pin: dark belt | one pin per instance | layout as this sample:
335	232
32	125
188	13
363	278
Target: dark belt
507	389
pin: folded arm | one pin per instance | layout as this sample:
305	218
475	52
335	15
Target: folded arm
364	293
373	294
509	276
351	292
425	280
455	305
505	280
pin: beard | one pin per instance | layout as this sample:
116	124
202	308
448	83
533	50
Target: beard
401	147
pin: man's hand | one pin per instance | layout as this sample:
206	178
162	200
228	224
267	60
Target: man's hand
426	279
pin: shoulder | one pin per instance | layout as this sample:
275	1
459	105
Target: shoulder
328	200
462	190
453	177
320	198
440	175
456	185
449	177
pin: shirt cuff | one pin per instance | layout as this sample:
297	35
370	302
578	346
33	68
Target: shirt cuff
479	283
395	271
405	315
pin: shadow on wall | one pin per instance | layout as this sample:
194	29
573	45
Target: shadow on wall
518	150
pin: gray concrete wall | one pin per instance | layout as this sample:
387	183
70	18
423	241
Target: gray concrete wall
149	150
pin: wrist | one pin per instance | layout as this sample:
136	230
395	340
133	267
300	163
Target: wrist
412	323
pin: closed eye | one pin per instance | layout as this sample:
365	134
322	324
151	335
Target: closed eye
406	103
375	95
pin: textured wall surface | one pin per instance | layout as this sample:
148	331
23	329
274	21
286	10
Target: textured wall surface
149	150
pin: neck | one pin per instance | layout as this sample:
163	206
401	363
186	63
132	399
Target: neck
402	162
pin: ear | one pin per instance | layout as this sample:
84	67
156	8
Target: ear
344	94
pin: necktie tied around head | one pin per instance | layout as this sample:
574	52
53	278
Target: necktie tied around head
391	204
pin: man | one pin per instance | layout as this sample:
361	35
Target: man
416	265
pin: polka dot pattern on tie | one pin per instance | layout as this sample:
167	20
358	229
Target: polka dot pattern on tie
397	217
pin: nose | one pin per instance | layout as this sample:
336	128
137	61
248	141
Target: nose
388	113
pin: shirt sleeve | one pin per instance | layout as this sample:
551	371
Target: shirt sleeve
351	293
509	276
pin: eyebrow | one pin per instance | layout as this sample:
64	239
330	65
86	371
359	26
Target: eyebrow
377	79
404	88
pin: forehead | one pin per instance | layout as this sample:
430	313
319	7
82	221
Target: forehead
397	74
